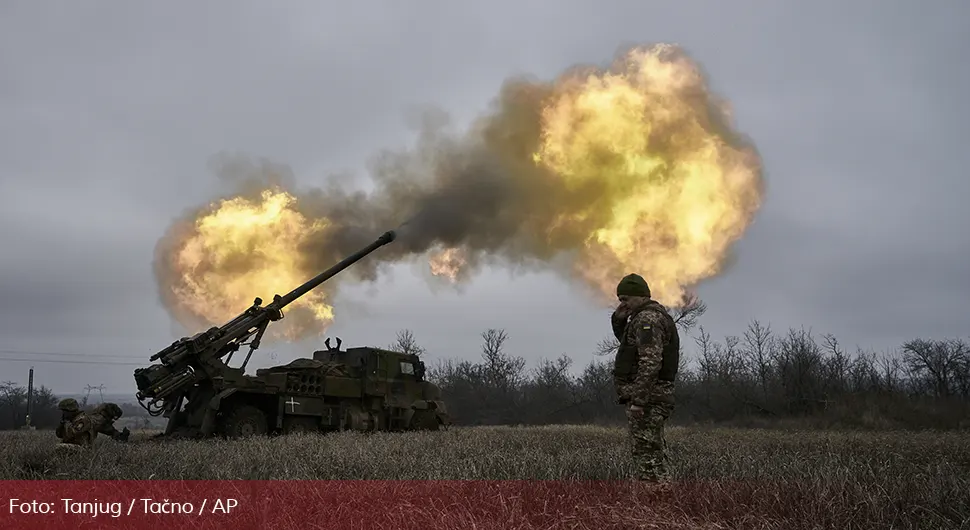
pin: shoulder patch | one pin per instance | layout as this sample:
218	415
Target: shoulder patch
645	334
650	327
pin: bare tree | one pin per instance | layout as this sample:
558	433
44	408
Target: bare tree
688	312
799	367
405	343
501	369
732	365
552	389
607	346
706	362
758	351
12	399
493	343
939	362
596	384
861	374
837	364
553	373
891	368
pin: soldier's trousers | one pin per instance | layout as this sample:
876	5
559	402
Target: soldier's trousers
649	445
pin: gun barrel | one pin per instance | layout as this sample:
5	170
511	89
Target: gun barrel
312	283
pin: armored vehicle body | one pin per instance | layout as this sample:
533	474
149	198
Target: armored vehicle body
363	389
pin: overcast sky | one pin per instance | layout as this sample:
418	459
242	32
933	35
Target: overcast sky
110	112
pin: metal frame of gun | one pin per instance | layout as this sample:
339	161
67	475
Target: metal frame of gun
190	360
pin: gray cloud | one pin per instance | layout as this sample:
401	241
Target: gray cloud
110	117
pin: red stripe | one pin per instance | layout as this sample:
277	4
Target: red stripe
285	505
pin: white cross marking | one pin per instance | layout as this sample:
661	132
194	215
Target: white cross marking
292	404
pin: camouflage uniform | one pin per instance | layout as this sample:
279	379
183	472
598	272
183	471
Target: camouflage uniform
80	428
646	367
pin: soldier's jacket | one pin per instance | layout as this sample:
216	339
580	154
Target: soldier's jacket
78	429
648	356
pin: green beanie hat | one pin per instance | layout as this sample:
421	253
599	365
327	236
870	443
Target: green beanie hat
633	285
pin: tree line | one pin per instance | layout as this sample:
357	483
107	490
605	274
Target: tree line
13	407
757	377
45	414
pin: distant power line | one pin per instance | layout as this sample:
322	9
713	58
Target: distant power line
64	354
69	361
74	358
70	358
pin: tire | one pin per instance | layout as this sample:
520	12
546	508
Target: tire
294	425
245	421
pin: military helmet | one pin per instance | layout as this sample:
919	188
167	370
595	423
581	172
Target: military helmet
68	405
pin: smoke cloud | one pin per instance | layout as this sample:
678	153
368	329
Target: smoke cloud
598	173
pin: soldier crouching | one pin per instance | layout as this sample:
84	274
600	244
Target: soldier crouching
644	373
80	428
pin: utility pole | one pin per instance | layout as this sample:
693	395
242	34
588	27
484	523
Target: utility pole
30	396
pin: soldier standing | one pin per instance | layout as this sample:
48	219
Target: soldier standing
80	428
644	373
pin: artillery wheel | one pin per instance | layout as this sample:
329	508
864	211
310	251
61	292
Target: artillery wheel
245	421
424	420
294	425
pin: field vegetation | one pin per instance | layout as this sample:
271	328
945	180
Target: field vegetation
724	477
772	430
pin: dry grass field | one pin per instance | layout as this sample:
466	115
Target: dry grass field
726	478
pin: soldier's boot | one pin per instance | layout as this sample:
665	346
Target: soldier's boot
653	479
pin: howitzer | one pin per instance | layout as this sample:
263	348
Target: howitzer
188	367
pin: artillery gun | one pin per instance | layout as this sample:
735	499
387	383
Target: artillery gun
363	389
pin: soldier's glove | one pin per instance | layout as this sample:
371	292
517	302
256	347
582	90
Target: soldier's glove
622	400
123	435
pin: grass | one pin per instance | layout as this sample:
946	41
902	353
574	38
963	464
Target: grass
725	477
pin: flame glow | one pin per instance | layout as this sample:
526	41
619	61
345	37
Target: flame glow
632	168
241	249
676	200
448	264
